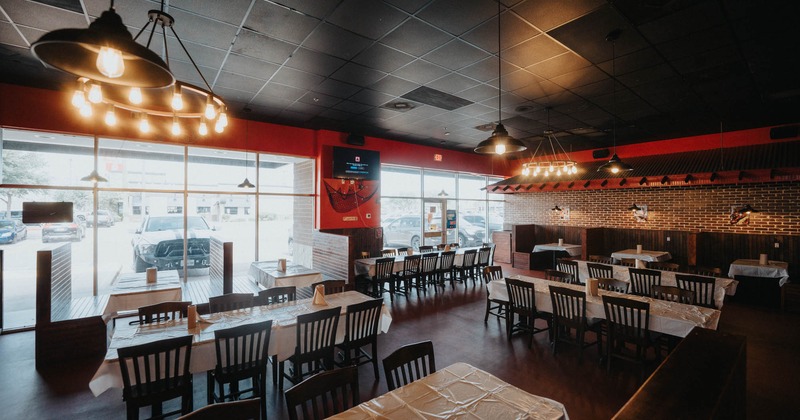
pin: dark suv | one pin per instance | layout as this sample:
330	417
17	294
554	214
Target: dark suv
159	243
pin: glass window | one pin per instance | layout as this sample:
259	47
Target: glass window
34	158
439	184
400	182
404	229
219	170
139	165
285	174
469	187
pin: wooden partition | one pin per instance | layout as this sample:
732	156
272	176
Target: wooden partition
593	241
721	249
332	255
680	244
220	271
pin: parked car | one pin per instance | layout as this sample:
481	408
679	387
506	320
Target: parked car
104	219
12	231
73	231
405	232
158	242
495	222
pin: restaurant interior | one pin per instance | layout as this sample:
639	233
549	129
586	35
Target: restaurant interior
579	209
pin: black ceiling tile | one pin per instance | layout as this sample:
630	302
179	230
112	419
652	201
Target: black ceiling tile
677	25
259	46
478	93
315	62
475	110
279	22
695	43
452	83
416	37
420	71
455	55
650	74
232	13
9	36
249	66
336	114
486	70
306	108
357	74
368	18
337	42
352	107
395	86
203	56
233	95
636	60
40	16
288	116
533	51
513	30
436	98
214	34
337	88
548	14
239	82
538	90
283	92
587	35
383	58
519	79
296	78
727	55
558	65
371	97
592	90
268	105
410	6
320	99
458	16
449	117
580	77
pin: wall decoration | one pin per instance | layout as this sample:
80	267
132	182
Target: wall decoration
639	212
740	214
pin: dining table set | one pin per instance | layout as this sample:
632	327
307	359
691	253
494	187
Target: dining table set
366	266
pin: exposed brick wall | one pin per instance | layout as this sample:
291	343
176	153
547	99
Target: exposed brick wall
700	208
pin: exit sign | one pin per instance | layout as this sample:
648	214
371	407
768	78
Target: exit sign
437	157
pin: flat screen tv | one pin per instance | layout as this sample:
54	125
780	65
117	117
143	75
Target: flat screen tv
41	212
351	163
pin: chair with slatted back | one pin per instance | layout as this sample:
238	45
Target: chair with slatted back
401	252
465	268
571	267
275	295
163	311
642	280
627	262
454	246
707	271
248	409
522	303
481	262
569	313
389	252
664	266
324	394
702	287
315	345
446	270
330	286
559	276
613	285
362	322
427	270
441	247
601	259
597	270
154	373
410	272
672	294
409	363
241	355
628	322
425	248
230	302
494	307
384	274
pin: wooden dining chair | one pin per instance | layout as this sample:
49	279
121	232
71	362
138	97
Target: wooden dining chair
384	272
403	279
330	286
427	270
273	295
571	267
664	266
628	322
627	262
409	363
613	285
601	259
230	302
156	372
672	294
241	355
324	394
701	286
425	248
569	313
465	269
707	271
389	252
481	262
446	270
559	276
642	280
441	247
522	303
315	344
248	409
597	270
494	307
163	311
361	325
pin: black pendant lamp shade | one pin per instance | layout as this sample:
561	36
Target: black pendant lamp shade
76	51
95	177
615	165
246	184
500	142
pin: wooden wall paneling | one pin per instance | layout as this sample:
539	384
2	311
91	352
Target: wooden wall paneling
220	270
331	255
593	242
721	249
502	251
677	246
523	238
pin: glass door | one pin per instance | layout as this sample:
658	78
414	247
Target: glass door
434	221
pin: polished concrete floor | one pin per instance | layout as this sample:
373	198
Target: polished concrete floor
453	319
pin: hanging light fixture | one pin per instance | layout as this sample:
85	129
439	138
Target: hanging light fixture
246	183
94	177
615	164
500	141
559	163
114	71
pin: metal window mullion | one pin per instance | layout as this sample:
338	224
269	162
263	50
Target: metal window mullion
185	213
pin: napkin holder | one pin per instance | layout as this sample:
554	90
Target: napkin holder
592	286
638	249
319	296
560	241
640	264
447	248
410	251
282	264
191	317
364	254
152	275
763	259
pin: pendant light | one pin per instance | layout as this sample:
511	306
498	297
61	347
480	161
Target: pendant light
615	164
246	183
500	141
94	176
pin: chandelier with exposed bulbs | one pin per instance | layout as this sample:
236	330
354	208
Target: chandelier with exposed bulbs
559	162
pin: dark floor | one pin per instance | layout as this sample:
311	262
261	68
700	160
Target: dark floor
453	319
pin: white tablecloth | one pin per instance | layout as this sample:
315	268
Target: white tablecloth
571	249
665	317
457	391
282	340
751	268
266	274
131	291
366	266
723	286
645	255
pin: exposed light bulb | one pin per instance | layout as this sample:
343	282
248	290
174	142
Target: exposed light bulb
574	169
546	173
95	94
211	112
135	96
144	125
86	110
218	127
78	98
526	171
177	99
614	169
111	117
551	169
223	117
203	130
110	62
500	149
176	127
558	172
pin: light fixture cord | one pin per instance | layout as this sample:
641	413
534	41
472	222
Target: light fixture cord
499	72
614	93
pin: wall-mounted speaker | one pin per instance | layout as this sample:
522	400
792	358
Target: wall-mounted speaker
601	153
355	140
785	132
